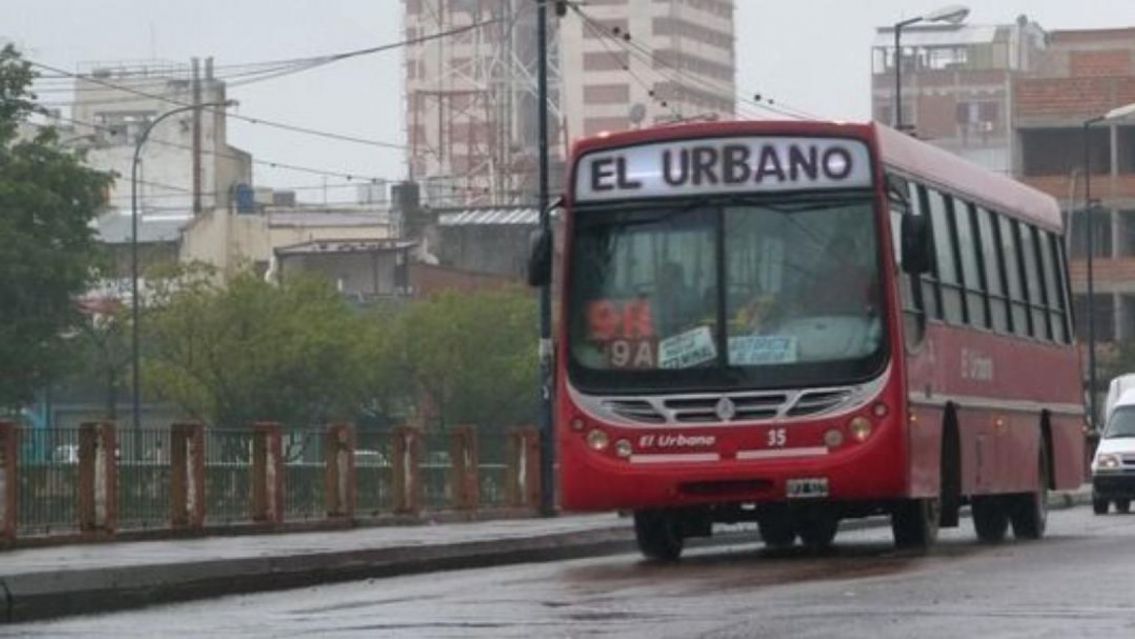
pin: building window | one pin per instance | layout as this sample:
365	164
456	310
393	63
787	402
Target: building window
606	61
607	93
1101	234
1104	316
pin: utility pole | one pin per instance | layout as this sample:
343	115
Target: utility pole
547	436
196	138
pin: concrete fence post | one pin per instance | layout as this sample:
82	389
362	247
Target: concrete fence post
267	473
9	480
340	476
407	470
187	476
463	456
98	478
524	468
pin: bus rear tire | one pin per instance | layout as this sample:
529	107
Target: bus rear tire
915	522
659	535
1029	512
1123	506
990	519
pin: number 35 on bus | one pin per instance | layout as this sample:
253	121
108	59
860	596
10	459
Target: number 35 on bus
797	323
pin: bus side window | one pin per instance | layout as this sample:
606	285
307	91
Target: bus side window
947	271
994	274
928	291
914	316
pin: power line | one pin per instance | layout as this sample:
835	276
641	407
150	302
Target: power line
252	120
648	56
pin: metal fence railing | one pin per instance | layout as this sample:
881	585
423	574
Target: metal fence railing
228	476
49	492
374	473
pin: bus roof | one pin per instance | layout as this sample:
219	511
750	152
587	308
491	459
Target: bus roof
919	159
980	185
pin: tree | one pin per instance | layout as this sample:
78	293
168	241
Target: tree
47	247
249	351
467	358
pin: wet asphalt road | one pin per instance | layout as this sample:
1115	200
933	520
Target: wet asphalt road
1079	581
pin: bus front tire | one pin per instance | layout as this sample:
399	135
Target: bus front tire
777	529
818	530
915	522
990	519
659	535
1100	506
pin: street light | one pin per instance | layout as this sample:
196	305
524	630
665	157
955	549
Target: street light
1118	113
951	14
137	407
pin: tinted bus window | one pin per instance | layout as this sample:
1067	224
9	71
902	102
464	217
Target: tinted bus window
994	277
931	303
1017	301
1034	289
968	252
1054	281
947	258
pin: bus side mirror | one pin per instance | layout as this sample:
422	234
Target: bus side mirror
917	248
540	258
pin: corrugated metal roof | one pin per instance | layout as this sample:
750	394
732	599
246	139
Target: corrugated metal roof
937	36
115	228
344	246
491	216
313	218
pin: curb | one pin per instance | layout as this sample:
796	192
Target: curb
46	595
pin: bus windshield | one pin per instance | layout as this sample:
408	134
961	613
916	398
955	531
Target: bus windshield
781	291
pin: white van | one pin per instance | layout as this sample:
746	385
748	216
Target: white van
1115	390
1113	468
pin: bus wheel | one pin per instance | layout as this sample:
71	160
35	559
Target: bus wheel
990	519
777	529
818	530
659	535
1099	506
914	523
1123	506
1029	512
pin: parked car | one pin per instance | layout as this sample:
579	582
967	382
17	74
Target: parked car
1113	467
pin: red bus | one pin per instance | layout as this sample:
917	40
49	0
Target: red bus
795	323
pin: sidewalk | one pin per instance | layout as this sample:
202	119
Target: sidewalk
39	583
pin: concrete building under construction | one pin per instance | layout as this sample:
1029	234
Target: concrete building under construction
471	96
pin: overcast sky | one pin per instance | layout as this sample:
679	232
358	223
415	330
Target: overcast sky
810	54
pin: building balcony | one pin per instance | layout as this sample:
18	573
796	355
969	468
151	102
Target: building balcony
1104	187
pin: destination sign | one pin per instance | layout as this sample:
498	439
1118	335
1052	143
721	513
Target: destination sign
722	165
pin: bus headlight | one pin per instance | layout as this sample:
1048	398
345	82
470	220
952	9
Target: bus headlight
1108	462
623	449
860	428
597	439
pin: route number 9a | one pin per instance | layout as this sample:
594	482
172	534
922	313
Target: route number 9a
777	437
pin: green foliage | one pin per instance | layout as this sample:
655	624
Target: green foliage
462	359
252	351
47	249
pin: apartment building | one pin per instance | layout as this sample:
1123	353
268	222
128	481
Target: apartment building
957	84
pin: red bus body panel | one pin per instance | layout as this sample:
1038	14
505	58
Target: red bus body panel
999	432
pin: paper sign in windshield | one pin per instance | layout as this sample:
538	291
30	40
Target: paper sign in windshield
755	350
688	349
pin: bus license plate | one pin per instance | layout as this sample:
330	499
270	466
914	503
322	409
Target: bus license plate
807	488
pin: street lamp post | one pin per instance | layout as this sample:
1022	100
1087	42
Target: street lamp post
134	306
1115	114
952	14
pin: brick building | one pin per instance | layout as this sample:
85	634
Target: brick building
1082	75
